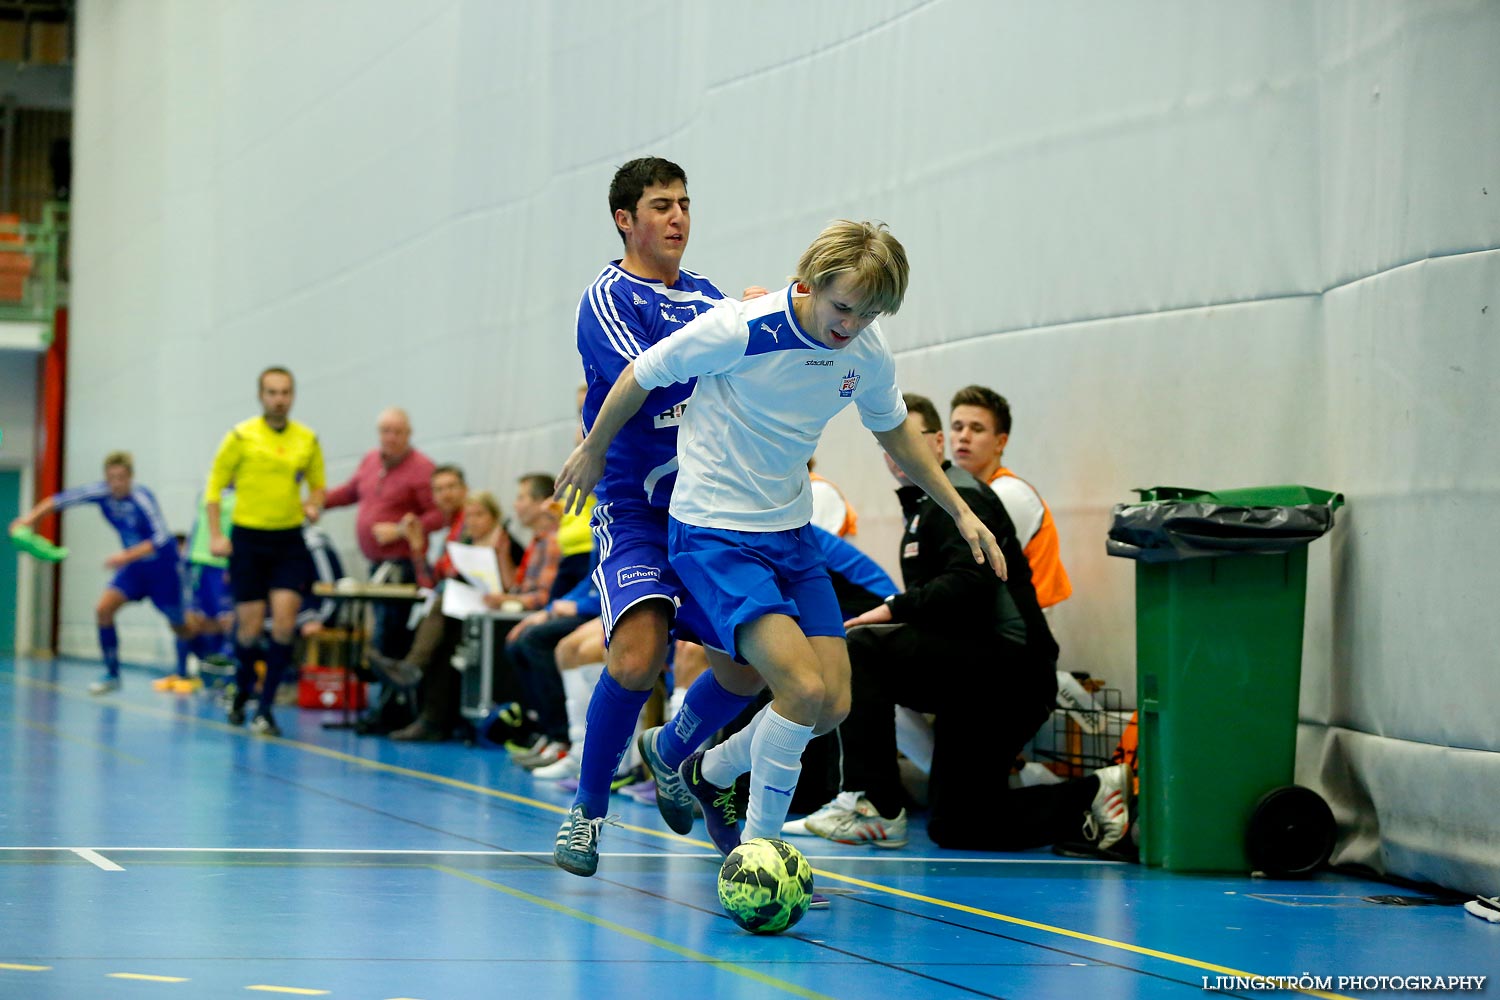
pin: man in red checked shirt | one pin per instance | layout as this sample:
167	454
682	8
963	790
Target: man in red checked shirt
392	484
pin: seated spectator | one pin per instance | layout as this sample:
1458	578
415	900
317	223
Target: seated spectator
980	421
531	647
831	509
430	658
977	652
529	581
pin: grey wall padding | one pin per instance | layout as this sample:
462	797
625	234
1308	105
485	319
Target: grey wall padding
1206	245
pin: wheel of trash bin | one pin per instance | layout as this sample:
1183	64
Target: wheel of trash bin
1291	832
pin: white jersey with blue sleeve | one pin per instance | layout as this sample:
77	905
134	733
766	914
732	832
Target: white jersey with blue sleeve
765	391
136	518
620	316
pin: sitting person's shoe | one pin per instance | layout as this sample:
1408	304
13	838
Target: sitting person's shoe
559	770
396	672
420	731
624	779
167	683
264	725
577	846
720	812
1108	817
549	752
862	824
106	684
524	746
842	802
673	800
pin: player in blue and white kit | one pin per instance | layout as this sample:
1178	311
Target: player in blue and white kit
771	373
640	300
147	566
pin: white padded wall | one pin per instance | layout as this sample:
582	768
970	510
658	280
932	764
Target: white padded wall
1187	241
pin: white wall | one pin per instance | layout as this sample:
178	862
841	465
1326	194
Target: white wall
1205	245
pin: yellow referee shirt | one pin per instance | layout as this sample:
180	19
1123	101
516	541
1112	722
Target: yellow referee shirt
268	468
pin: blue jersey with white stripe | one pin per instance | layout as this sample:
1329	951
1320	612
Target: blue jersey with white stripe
137	517
619	317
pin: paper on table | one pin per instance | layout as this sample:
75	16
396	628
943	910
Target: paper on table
461	600
478	565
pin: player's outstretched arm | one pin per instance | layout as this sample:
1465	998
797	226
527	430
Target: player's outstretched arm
583	469
31	517
904	445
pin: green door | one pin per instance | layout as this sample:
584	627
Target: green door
10	509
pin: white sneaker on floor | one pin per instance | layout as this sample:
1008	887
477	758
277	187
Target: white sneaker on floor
105	685
1109	814
558	770
861	825
842	802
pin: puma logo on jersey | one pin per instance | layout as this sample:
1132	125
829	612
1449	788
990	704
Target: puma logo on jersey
772	330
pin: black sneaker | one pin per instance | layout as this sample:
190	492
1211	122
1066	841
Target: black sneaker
720	811
673	800
236	713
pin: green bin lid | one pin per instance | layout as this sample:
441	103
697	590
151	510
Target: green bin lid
1250	496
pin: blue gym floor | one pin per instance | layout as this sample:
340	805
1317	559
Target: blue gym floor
147	850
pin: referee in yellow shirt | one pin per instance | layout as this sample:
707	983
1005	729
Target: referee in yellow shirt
268	458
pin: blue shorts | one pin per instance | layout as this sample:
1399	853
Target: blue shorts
730	578
631	539
208	592
159	579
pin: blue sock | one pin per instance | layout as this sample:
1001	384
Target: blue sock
184	646
109	646
244	671
278	656
612	715
707	708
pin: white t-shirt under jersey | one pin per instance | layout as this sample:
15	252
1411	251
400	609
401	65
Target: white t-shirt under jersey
1022	504
766	389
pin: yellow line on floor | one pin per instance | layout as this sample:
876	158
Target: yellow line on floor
11	967
145	978
674	838
631	932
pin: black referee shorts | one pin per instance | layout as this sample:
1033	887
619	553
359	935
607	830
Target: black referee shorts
263	561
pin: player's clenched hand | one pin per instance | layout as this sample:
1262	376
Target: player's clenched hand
981	541
580	474
220	547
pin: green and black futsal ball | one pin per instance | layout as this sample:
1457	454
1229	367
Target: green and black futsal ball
765	885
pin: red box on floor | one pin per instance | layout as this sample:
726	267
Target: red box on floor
325	687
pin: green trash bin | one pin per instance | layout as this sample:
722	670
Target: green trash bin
1221	582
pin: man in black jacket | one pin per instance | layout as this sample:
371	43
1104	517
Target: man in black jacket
976	651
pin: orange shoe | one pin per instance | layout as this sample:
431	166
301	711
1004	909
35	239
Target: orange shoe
168	683
187	685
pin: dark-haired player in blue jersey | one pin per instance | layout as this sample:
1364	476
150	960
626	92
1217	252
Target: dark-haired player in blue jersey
146	566
636	301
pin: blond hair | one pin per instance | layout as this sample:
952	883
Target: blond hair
122	458
485	499
866	250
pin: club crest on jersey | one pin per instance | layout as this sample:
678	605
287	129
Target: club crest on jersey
851	382
629	575
679	314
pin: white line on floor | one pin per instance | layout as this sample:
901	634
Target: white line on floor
96	859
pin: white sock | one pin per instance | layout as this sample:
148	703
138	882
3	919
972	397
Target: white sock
578	688
730	759
776	752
